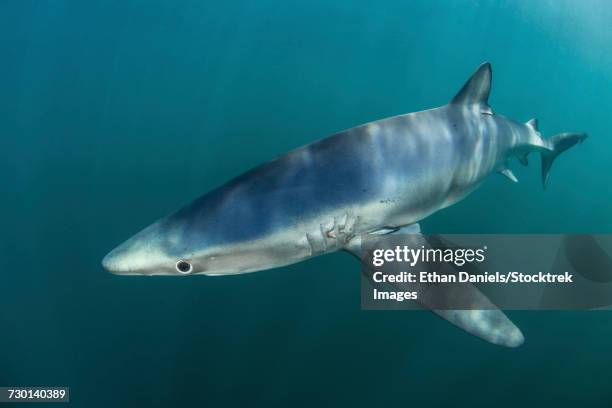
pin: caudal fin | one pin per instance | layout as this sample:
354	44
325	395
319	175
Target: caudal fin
557	145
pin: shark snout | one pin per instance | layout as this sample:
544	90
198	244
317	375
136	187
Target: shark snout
115	262
140	255
127	259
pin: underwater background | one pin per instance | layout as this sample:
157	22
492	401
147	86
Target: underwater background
115	113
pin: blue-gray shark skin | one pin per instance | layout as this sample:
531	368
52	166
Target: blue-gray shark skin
379	177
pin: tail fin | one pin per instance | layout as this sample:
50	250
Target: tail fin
557	145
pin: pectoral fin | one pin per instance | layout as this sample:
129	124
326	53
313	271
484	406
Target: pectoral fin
489	323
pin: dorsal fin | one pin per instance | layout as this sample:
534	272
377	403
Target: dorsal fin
532	123
477	89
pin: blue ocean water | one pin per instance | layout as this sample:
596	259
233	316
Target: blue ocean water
114	113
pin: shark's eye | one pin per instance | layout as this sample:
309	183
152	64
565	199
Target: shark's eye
183	266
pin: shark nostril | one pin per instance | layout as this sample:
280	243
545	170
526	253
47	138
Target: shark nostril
183	266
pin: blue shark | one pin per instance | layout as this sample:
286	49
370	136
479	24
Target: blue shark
378	178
